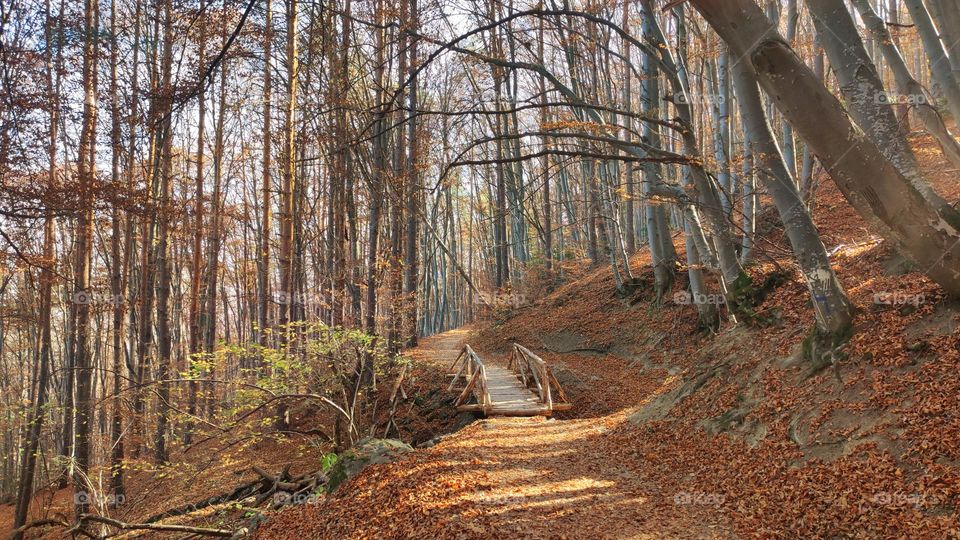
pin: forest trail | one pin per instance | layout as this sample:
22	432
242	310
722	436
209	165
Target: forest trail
442	348
508	393
515	476
445	348
497	390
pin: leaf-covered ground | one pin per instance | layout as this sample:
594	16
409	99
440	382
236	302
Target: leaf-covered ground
675	433
220	460
680	434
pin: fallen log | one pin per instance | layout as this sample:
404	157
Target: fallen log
241	492
83	519
224	533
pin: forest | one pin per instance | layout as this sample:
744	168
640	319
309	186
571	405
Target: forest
479	268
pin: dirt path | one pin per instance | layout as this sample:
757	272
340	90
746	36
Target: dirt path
505	478
438	352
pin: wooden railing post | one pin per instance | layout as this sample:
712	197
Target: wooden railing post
525	365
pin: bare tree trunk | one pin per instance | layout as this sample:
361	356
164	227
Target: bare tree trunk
35	423
377	173
786	130
937	57
209	315
545	165
396	205
862	87
197	267
86	170
263	291
833	310
163	250
662	254
630	211
694	239
748	182
413	192
288	189
912	94
806	174
148	231
734	279
120	264
925	232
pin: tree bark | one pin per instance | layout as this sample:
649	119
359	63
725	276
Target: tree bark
862	88
937	58
411	269
834	313
35	423
912	94
195	347
926	233
163	251
86	170
263	291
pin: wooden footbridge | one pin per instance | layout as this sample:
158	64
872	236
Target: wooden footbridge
526	387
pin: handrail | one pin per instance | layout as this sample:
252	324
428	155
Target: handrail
531	370
475	373
523	361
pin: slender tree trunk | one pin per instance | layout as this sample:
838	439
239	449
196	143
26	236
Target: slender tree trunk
806	175
630	206
148	276
662	255
263	291
937	57
119	269
37	415
163	250
130	243
912	94
734	279
209	316
86	170
694	239
377	173
288	189
834	313
925	232
748	181
197	267
413	193
786	130
545	165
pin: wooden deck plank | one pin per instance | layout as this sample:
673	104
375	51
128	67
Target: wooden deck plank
507	393
508	396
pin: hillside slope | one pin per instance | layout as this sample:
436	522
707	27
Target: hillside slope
680	434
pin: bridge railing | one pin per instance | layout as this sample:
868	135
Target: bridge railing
474	373
535	374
